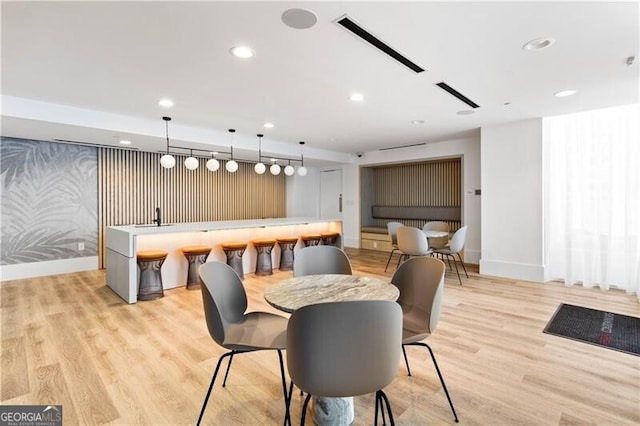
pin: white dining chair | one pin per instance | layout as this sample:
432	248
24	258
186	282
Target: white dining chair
412	242
455	247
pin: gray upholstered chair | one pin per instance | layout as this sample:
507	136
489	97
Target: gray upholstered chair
421	284
455	247
412	242
317	260
437	242
392	229
225	303
344	349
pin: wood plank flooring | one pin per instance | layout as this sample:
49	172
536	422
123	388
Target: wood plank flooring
68	339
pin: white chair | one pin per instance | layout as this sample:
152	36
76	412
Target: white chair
421	284
343	349
437	242
412	242
455	247
318	260
392	229
225	303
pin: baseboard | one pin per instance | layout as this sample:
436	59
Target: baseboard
50	267
519	271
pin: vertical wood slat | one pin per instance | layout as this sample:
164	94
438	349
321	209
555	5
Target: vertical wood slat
131	184
432	183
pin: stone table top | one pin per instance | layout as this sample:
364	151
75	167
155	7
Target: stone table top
435	234
295	293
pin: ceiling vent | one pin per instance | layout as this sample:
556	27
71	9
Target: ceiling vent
402	146
444	86
99	145
365	35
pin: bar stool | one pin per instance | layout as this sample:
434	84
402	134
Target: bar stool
286	252
234	251
150	281
311	239
196	256
329	238
263	263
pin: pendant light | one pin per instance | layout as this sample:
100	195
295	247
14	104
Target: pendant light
232	165
191	162
275	168
167	161
289	170
212	163
302	170
260	168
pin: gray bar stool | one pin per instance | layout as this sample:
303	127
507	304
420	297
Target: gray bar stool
150	279
234	251
329	238
311	239
264	265
287	245
196	256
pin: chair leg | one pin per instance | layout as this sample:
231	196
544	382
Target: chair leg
449	261
456	265
406	361
375	415
389	260
287	419
444	386
304	409
213	379
386	400
224	382
463	267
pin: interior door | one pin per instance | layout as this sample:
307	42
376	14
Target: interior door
331	194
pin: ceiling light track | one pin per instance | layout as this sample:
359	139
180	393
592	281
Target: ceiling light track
350	25
453	92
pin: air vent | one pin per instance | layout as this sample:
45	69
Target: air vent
356	29
94	144
444	86
403	146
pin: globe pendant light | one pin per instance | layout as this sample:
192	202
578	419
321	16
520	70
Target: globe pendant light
274	169
212	163
232	165
260	168
302	170
289	170
167	161
191	162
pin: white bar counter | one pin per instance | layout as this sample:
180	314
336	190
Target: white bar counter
122	243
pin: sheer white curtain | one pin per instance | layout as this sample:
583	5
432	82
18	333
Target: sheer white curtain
592	198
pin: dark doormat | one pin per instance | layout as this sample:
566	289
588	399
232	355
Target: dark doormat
606	329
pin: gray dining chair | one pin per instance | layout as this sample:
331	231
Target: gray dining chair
318	260
344	349
225	303
455	247
421	284
412	242
437	242
392	230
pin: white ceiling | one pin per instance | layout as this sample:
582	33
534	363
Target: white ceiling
93	65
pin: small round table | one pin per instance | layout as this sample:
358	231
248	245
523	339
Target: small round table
294	293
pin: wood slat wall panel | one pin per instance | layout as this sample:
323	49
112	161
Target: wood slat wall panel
132	184
433	183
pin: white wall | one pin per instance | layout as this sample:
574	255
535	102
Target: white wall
303	194
468	149
512	225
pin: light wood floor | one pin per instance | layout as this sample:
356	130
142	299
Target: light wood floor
69	340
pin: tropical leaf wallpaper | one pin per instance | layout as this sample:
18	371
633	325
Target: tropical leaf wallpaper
49	201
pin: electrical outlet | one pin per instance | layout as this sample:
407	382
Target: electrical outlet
80	246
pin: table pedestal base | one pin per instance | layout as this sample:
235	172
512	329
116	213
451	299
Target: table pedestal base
332	411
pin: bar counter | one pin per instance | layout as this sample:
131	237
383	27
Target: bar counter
122	243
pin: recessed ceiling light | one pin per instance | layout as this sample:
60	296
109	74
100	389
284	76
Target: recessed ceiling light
539	43
357	97
465	112
167	103
243	52
124	142
269	125
417	122
299	19
564	93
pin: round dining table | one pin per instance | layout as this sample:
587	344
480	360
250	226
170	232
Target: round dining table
294	293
